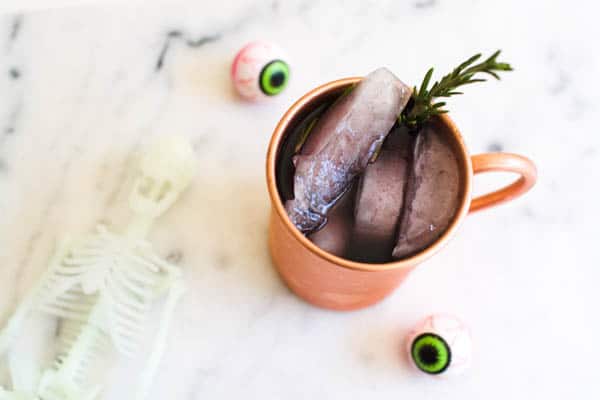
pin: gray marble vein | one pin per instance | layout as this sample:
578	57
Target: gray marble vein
190	42
426	4
15	27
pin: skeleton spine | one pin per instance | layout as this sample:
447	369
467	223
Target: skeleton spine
79	357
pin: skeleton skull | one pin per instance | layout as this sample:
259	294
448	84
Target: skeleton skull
165	170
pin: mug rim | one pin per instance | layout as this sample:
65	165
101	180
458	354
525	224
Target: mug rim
277	203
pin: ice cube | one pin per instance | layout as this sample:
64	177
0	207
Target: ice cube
341	144
379	200
432	193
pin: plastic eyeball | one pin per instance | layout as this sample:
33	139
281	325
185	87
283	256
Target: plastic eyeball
440	344
259	71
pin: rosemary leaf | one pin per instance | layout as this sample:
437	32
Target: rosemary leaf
422	106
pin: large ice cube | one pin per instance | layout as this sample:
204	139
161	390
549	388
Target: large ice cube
432	193
379	200
341	144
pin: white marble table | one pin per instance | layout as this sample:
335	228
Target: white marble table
82	88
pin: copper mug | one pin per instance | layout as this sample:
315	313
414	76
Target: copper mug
328	281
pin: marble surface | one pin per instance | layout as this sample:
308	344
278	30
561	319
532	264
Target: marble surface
82	88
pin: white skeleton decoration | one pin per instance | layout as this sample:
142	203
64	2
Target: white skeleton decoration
102	287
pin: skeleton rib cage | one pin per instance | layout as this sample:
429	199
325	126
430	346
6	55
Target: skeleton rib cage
108	283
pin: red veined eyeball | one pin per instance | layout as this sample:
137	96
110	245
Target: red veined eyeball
440	344
259	71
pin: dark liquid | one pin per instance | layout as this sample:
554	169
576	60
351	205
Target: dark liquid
284	172
285	168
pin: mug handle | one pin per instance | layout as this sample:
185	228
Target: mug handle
503	162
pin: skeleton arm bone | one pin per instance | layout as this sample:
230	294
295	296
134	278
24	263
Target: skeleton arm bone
175	292
14	325
26	356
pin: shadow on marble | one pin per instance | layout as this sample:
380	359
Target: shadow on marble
381	348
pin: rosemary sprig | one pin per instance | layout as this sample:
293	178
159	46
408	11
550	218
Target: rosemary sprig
422	106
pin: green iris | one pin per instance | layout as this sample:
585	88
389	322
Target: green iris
431	353
274	77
